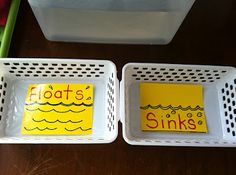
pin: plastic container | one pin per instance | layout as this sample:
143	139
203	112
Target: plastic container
7	30
219	84
16	74
111	21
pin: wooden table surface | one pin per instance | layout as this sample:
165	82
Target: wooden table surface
207	36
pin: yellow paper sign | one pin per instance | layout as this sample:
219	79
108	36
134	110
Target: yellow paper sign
58	109
172	107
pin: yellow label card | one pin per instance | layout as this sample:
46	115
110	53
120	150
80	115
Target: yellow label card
172	107
58	109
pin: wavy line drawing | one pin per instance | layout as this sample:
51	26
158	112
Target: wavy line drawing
173	108
31	129
77	129
50	86
89	98
57	104
44	120
38	109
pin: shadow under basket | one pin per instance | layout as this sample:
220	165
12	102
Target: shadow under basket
17	74
219	90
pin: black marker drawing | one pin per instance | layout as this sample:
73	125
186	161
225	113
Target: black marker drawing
173	108
57	104
44	120
54	110
37	128
77	129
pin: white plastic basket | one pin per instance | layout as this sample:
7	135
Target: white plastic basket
219	85
16	74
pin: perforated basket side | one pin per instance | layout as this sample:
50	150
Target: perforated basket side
176	73
112	105
3	86
51	68
3	93
227	96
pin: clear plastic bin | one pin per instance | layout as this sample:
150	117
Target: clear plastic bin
111	21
